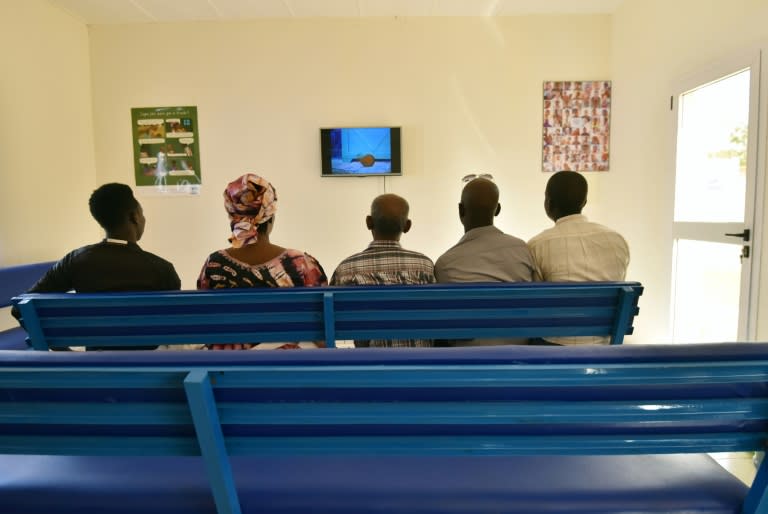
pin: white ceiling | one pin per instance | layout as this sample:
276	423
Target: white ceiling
96	12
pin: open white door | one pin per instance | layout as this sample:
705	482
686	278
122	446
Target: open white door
715	203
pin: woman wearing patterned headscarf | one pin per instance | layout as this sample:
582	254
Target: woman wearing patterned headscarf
253	260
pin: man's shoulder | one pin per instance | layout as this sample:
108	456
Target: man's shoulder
415	255
482	246
101	249
384	264
467	240
348	266
598	227
544	235
82	251
79	255
448	254
510	240
155	259
372	253
355	257
577	228
467	244
495	240
163	269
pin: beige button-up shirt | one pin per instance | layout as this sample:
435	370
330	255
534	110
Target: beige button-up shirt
577	250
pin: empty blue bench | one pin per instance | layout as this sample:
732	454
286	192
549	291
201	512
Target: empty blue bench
589	429
328	314
15	280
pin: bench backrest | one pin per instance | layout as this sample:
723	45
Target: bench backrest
14	280
332	313
472	401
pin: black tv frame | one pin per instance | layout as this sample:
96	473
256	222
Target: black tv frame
395	147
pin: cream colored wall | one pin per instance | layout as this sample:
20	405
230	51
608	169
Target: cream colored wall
46	141
466	91
655	44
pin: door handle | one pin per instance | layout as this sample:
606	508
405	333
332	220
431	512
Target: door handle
743	235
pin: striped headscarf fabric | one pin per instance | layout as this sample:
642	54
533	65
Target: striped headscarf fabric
250	200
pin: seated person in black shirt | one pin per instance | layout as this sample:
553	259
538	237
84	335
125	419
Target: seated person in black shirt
116	263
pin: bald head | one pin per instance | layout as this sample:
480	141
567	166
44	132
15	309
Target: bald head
566	194
389	217
479	204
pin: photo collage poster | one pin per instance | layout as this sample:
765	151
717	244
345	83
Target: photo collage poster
577	122
166	149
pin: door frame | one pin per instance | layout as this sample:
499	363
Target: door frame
755	187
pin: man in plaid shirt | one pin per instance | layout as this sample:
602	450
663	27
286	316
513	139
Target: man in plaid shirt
385	261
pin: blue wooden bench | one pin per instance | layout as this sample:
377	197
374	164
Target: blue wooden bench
331	313
15	280
588	429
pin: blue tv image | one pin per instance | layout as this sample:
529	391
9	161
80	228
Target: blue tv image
360	151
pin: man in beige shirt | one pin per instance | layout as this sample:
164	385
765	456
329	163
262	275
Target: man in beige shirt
575	249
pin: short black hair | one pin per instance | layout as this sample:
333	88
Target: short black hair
567	192
111	204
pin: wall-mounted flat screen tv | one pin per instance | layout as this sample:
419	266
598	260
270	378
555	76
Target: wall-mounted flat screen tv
360	151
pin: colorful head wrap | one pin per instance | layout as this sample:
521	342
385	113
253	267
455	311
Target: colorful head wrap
250	201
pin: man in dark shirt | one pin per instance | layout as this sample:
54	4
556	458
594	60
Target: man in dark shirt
116	263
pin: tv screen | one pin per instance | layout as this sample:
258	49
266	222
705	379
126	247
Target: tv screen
360	151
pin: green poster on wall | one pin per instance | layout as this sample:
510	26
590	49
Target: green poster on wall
166	150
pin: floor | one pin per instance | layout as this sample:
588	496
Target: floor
740	464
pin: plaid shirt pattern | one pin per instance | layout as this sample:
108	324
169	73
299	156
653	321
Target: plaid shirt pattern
383	263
